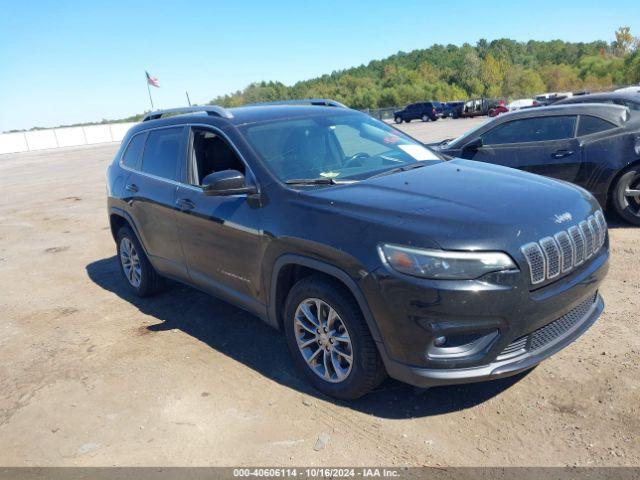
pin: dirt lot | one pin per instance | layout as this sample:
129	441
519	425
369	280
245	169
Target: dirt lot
90	375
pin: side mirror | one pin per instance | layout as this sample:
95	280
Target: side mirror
474	145
226	182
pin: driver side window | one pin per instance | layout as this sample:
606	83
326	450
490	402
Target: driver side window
210	153
537	129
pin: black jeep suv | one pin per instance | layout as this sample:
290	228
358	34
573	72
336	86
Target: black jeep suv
372	254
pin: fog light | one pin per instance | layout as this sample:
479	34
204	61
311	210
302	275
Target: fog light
461	345
440	341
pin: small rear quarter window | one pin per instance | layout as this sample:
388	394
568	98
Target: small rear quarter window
589	124
131	157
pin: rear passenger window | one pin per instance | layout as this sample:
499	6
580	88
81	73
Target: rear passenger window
161	152
589	125
131	158
537	129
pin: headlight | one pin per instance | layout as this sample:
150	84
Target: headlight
443	265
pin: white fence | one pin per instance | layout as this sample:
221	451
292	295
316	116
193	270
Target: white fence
62	137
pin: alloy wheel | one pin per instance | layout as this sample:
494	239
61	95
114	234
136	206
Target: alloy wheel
130	262
632	195
323	340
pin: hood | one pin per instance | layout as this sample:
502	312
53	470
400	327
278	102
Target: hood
461	205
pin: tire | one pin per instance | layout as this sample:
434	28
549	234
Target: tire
425	118
407	120
628	207
433	119
146	281
492	113
398	120
365	372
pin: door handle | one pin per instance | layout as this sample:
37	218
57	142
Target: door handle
561	153
131	187
185	204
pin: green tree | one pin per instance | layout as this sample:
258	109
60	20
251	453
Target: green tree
624	41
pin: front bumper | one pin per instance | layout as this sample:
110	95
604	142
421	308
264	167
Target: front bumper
411	313
425	377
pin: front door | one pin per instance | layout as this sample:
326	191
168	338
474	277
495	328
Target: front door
220	235
543	145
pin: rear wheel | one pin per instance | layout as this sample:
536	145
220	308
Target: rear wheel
329	339
425	118
138	273
626	195
398	120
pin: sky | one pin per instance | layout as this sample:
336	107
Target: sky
69	61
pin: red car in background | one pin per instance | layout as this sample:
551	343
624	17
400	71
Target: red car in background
498	109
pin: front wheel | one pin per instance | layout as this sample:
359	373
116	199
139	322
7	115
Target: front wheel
626	195
329	339
398	120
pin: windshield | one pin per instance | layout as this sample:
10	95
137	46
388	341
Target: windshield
349	147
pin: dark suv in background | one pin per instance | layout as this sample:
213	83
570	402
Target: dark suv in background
478	107
424	111
373	254
453	109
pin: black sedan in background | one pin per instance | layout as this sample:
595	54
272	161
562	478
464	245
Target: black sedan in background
625	99
595	146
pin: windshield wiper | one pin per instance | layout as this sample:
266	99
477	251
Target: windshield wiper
411	166
317	181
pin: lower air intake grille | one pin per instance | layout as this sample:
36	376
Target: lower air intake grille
547	334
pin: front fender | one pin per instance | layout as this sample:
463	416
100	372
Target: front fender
327	268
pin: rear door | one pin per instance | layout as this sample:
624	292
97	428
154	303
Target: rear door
152	192
545	145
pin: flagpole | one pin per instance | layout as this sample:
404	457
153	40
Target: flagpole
188	100
150	99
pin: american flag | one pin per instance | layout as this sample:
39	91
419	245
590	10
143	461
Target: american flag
152	80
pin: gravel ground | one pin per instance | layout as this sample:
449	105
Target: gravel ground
90	375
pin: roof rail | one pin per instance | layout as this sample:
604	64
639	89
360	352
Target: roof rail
213	110
322	102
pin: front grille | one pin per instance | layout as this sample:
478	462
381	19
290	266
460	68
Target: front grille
547	334
566	250
552	254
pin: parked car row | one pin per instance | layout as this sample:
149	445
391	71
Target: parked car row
373	253
432	110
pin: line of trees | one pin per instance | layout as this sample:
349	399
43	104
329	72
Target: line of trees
501	68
